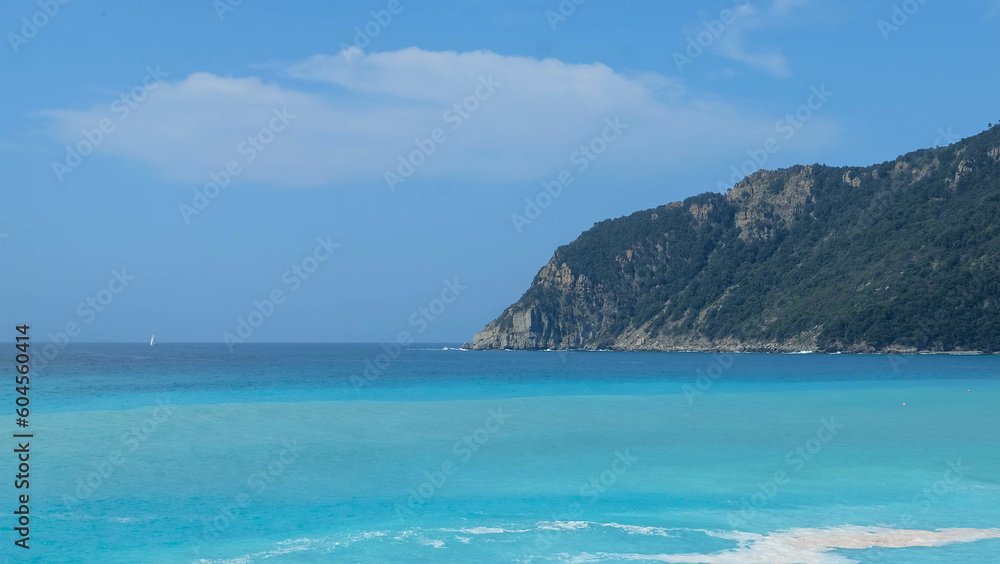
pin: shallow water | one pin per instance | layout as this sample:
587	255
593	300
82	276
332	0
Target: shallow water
288	453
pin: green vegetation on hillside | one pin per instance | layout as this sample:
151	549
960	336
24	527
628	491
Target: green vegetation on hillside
904	254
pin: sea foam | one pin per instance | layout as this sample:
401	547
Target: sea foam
803	546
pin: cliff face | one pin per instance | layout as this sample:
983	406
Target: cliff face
902	256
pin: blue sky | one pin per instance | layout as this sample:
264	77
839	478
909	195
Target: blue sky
409	149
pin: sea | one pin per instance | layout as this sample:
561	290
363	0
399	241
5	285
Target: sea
376	453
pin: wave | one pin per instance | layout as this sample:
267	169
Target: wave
436	543
566	526
297	545
793	546
486	530
802	546
562	525
282	548
640	530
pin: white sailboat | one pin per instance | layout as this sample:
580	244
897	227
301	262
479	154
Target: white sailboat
152	341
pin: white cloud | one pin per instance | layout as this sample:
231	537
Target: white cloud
728	73
994	11
8	145
784	6
353	120
733	42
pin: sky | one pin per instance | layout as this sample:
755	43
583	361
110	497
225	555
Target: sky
347	171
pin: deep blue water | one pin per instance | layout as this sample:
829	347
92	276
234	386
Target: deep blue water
288	453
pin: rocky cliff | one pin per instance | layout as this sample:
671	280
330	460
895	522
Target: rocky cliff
903	256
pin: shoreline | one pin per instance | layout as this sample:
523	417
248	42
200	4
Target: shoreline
748	350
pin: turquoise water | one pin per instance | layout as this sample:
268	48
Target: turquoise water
287	453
